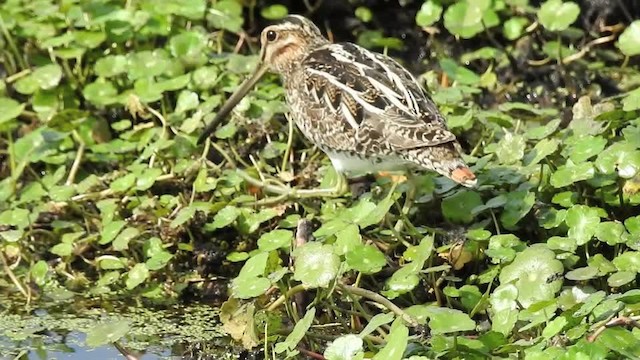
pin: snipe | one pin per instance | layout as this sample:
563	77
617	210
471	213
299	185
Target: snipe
363	109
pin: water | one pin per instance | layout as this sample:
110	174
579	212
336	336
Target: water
67	332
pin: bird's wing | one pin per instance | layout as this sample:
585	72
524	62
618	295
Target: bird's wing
372	91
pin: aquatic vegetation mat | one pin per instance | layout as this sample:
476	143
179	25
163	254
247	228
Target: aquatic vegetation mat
105	194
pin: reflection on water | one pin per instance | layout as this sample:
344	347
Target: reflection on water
60	332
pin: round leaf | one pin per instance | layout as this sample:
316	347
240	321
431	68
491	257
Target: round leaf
100	92
530	272
107	333
274	12
457	208
556	15
629	40
346	347
316	265
621	278
628	261
11	109
583	222
275	239
249	287
429	13
366	259
111	65
137	275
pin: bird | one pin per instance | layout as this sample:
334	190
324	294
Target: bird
364	110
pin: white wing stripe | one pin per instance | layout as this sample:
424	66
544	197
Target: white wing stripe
348	90
390	95
395	79
347	115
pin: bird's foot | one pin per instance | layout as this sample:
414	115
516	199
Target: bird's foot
287	192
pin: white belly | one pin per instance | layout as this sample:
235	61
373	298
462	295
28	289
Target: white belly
356	166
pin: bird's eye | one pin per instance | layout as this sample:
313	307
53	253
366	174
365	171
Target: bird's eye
271	35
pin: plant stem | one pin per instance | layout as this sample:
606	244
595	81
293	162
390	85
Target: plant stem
12	276
21	61
76	162
279	301
380	300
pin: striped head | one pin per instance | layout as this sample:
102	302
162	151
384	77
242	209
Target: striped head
283	46
286	43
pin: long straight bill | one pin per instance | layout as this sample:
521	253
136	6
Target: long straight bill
233	101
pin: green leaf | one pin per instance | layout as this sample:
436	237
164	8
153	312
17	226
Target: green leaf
148	177
62	249
137	275
629	41
110	65
346	347
582	274
121	242
513	28
275	239
377	321
569	174
147	64
556	15
224	218
364	14
316	265
39	272
543	148
377	214
107	333
586	147
554	327
124	183
187	100
190	47
467	19
184	215
406	279
610	232
11	109
590	303
530	272
274	12
158	261
429	13
583	222
347	239
621	278
442	320
510	148
249	287
110	231
621	341
519	203
631	101
227	15
48	76
366	259
298	332
621	157
628	261
504	308
457	208
396	343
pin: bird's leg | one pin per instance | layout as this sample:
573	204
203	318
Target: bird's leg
340	188
408	202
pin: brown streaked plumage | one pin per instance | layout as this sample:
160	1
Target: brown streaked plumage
363	109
